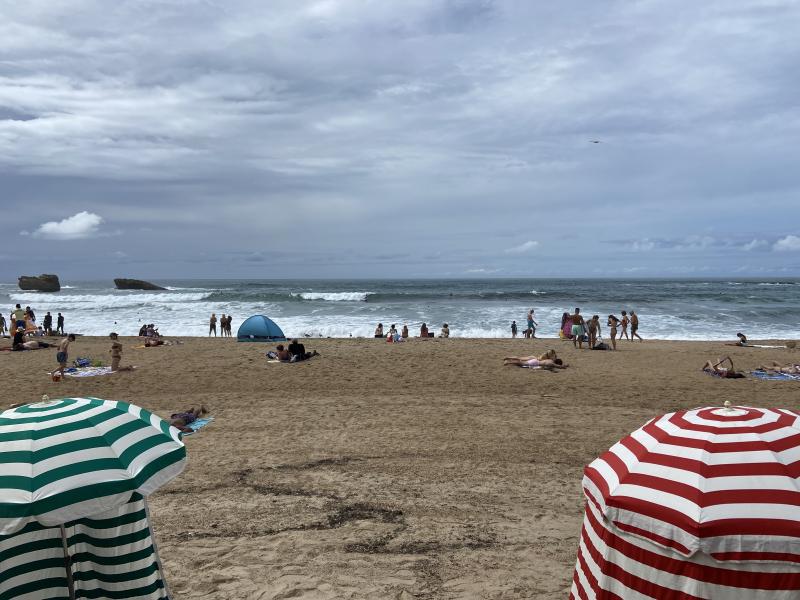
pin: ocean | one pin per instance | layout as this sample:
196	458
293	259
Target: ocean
475	308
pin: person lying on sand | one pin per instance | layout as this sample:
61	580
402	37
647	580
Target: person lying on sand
719	371
182	419
532	362
548	360
789	369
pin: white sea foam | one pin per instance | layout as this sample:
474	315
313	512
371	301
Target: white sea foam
106	300
334	296
537	293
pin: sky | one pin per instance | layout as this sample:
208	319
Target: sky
423	138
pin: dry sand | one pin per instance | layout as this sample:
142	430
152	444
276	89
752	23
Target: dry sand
416	470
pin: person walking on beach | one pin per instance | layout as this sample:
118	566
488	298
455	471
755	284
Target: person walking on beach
635	326
577	329
612	324
62	356
531	325
624	322
212	325
60	324
513	329
116	354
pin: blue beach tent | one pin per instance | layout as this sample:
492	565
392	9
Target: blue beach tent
259	328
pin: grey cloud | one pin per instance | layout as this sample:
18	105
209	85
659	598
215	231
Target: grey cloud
447	128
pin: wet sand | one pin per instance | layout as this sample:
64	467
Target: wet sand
390	471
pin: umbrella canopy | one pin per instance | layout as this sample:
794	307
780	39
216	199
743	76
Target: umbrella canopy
72	458
696	504
74	474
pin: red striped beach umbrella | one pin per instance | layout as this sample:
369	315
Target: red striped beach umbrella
702	503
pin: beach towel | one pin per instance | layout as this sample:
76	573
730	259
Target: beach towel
88	371
756	346
775	376
198	424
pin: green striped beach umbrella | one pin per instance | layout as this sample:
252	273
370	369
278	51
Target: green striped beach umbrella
74	474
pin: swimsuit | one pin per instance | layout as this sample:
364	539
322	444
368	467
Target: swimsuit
532	362
577	330
185	417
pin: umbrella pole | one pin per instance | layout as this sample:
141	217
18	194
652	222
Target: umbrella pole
67	564
155	547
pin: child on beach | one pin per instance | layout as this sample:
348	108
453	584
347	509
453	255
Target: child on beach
116	354
513	329
62	356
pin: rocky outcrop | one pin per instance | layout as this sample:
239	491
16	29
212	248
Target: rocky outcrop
136	284
41	283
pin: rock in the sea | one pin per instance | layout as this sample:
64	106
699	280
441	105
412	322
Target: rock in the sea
41	283
136	284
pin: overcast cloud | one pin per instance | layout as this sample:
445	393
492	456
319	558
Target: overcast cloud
369	138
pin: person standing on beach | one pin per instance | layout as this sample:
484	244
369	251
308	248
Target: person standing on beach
228	325
2	325
116	354
60	324
48	323
212	325
577	329
635	326
62	356
513	329
531	324
624	323
593	327
18	315
612	324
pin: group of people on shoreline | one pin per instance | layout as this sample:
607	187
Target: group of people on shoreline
395	335
25	319
575	327
224	325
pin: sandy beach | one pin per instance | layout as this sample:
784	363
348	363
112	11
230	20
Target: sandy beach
390	471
